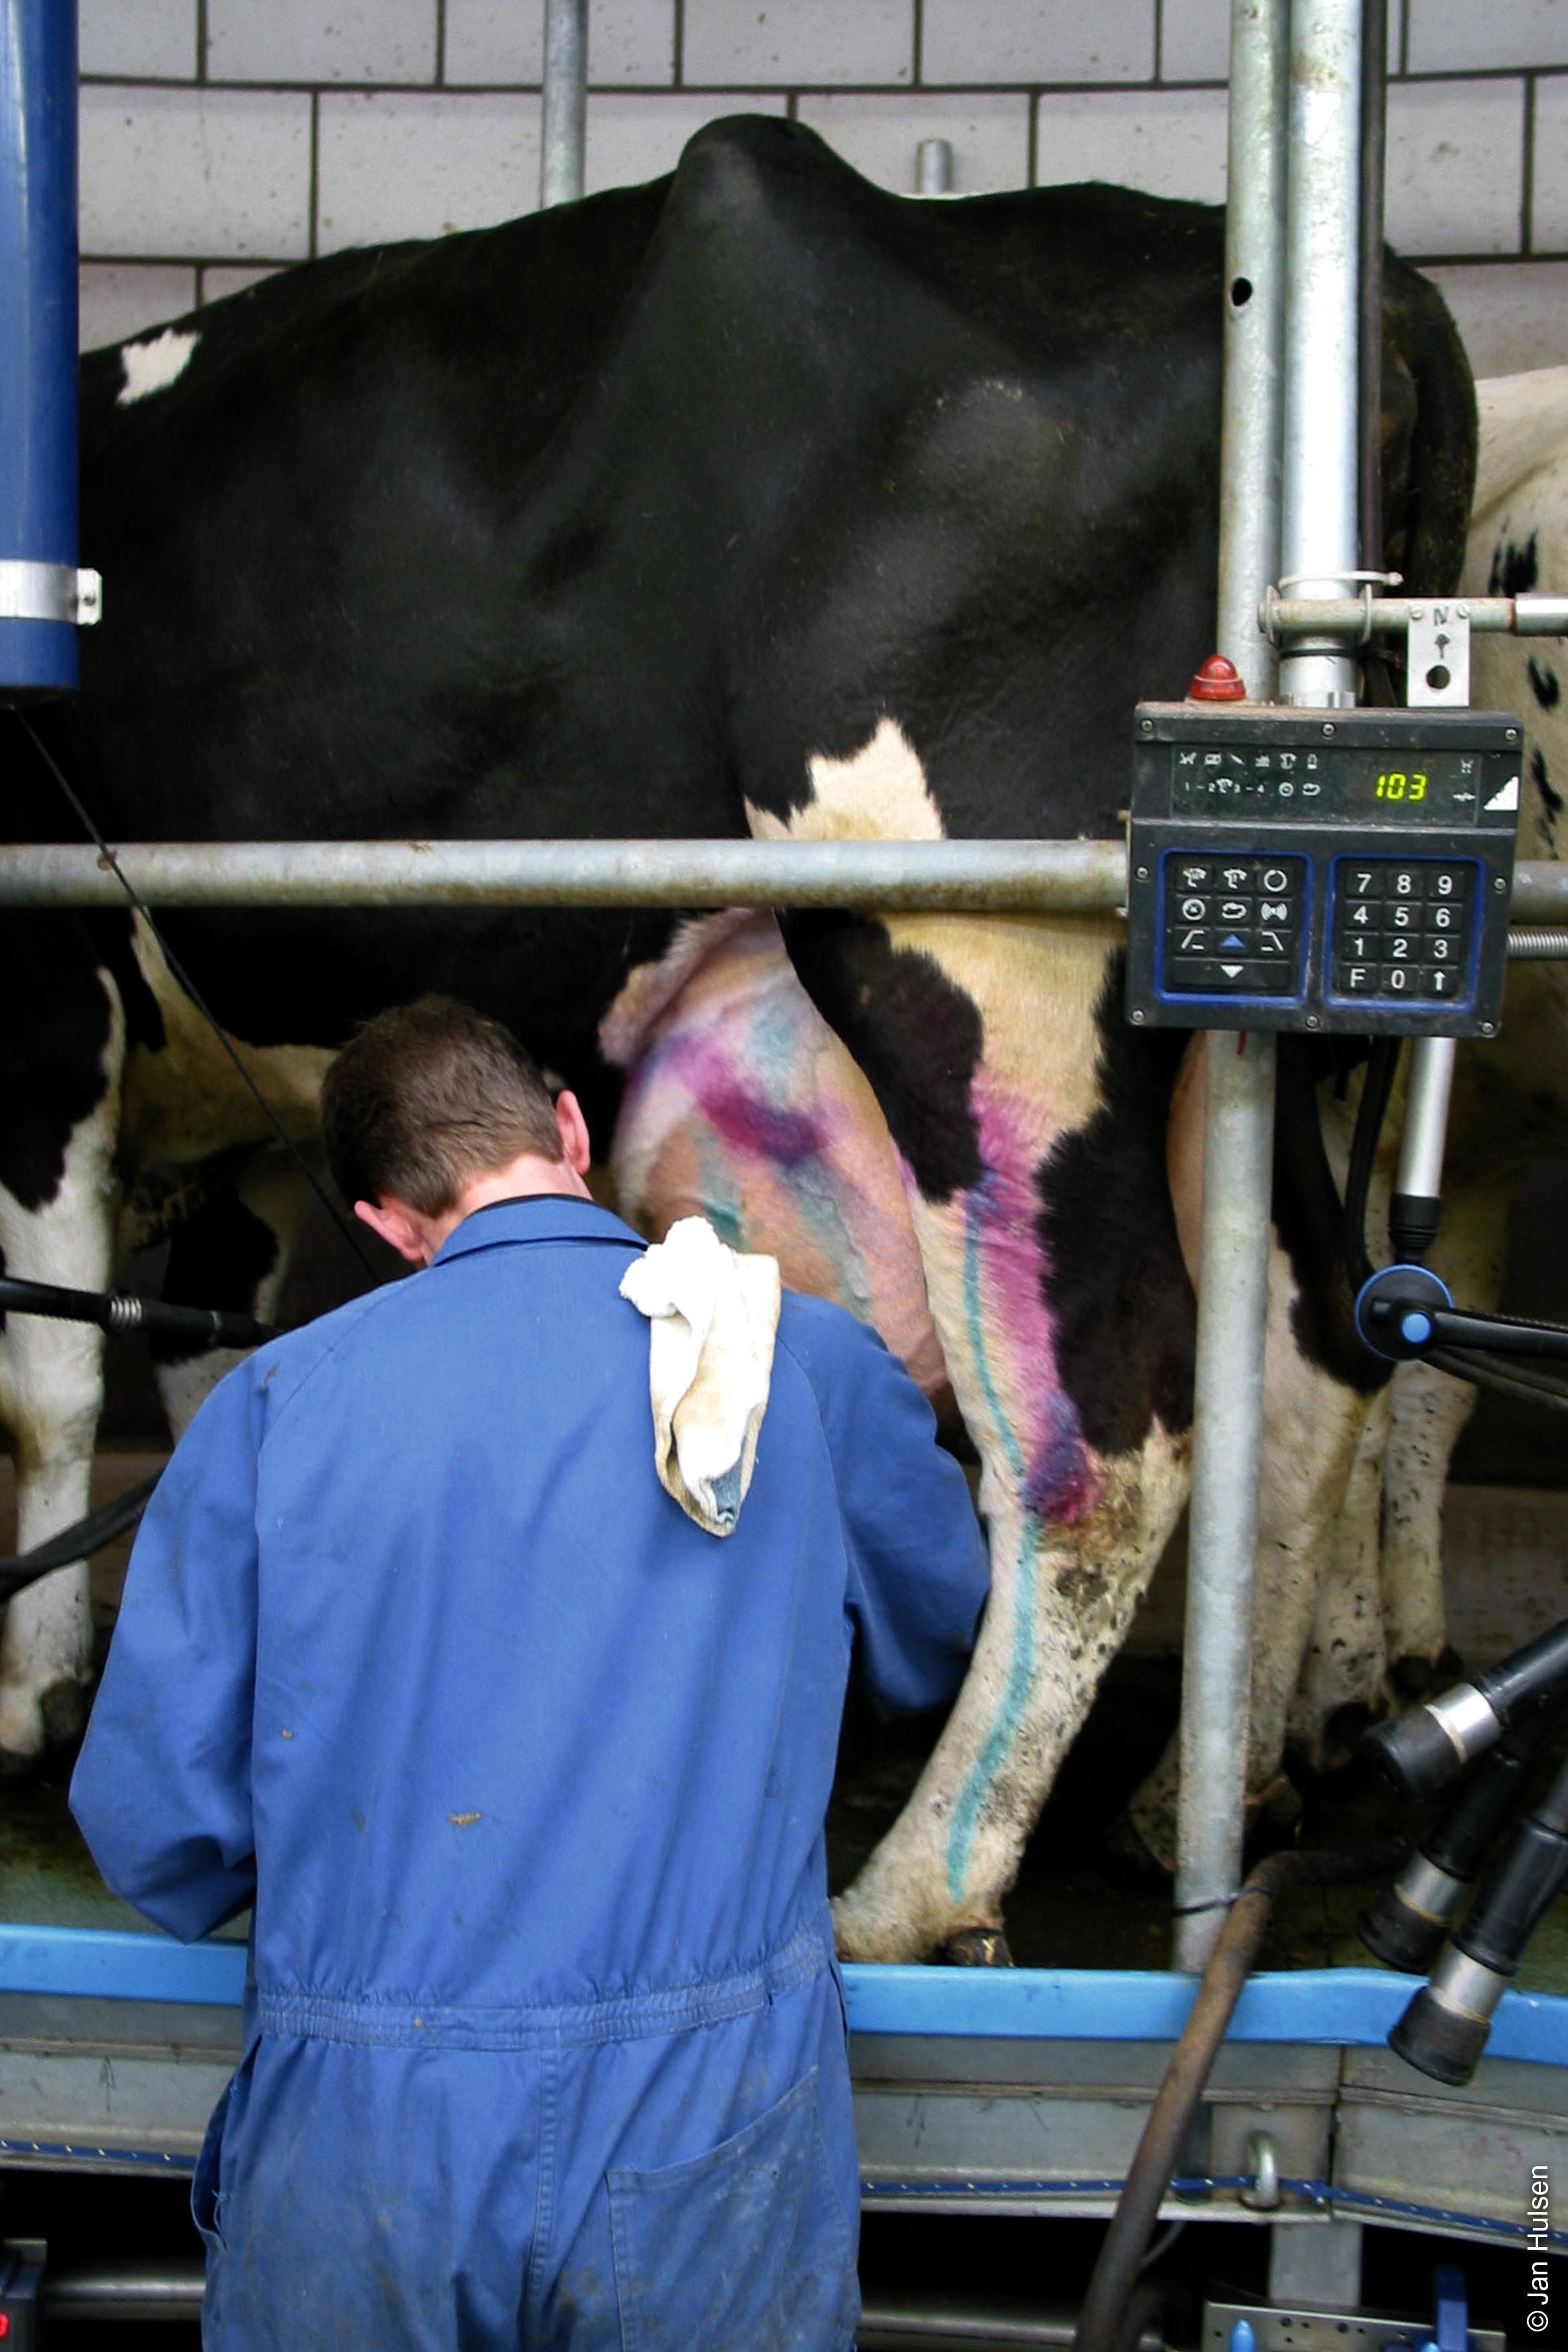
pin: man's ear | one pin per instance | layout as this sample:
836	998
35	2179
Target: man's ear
572	1130
398	1225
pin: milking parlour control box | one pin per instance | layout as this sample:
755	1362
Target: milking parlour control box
1343	870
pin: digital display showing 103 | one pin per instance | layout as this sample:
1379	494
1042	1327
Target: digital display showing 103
1333	782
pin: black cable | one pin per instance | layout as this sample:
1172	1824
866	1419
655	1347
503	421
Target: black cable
79	1541
1377	1086
1525	1386
182	976
115	1311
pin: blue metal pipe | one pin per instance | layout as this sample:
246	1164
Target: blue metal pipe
37	344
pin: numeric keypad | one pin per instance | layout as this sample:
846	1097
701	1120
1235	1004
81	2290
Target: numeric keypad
1402	927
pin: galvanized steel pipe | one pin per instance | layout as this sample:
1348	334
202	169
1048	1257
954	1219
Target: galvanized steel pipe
1080	877
1041	878
1319	524
1238	1112
563	105
1539	892
1359	617
1252	400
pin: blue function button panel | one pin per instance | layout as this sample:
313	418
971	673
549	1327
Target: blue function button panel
1344	871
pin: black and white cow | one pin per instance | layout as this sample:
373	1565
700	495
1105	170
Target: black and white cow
756	499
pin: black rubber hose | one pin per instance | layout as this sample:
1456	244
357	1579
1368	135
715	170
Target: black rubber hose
1420	1752
1406	1926
113	1310
1382	1061
79	1541
1230	1964
1445	2030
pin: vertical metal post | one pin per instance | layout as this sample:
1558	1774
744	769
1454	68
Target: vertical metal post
1318	548
37	358
563	136
1227	1443
1319	522
1238	1120
1250	425
933	167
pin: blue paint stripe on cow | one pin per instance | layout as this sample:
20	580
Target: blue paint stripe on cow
999	1739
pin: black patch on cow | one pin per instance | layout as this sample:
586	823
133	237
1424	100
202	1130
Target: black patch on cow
1545	684
916	1035
52	1039
1309	1219
1513	572
218	1260
1117	1287
1550	798
590	524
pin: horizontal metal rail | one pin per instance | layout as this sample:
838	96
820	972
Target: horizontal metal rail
1362	616
1081	878
1054	877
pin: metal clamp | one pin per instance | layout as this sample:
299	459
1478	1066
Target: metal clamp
1273	597
49	591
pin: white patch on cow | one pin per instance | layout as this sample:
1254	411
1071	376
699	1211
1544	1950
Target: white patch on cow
1520	419
879	794
52	1386
155	366
1506	797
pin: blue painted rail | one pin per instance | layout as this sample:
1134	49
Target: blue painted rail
1351	2008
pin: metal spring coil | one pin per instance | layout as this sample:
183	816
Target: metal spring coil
1537	946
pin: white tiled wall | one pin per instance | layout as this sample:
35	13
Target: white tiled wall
220	138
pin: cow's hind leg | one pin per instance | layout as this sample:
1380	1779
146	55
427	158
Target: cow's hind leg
1431	1410
1318	1386
1343	1681
57	1226
1031	1125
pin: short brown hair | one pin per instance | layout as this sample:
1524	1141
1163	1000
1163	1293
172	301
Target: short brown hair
426	1097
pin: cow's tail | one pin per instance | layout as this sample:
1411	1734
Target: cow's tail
1430	434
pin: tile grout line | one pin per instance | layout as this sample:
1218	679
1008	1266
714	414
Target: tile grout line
313	198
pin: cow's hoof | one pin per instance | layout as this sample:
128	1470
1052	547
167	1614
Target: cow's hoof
1341	1736
974	1947
65	1709
1415	1678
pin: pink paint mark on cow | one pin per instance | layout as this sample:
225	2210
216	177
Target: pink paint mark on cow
1011	1326
740	1115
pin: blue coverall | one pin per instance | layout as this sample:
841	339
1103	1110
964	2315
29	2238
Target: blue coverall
543	2040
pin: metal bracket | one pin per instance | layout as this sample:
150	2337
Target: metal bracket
1265	2192
1274	2329
1438	656
49	591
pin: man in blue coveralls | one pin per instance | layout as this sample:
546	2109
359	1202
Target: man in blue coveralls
522	1771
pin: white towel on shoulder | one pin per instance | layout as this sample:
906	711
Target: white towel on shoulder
715	1314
